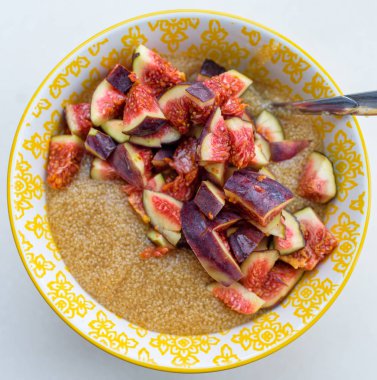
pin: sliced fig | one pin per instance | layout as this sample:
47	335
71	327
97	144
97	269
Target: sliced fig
241	135
163	210
210	68
200	94
269	127
257	267
285	150
267	173
294	239
107	103
133	164
78	119
165	135
154	71
64	159
244	241
208	246
162	158
99	144
135	199
101	170
319	241
157	239
184	158
234	106
317	182
114	128
156	183
210	199
229	172
275	227
280	281
262	198
263	245
216	172
225	219
262	153
172	237
247	117
142	114
119	78
237	297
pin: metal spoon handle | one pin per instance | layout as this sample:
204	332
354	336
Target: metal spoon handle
363	104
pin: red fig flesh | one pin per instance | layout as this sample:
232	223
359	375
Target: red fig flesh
78	119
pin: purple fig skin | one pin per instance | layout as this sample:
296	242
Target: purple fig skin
211	68
201	92
207	201
119	78
225	219
259	196
286	149
244	241
215	258
99	144
149	126
160	159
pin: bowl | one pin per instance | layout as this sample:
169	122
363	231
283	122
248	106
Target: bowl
226	38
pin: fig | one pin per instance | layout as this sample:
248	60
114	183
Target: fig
163	210
157	239
135	199
154	71
262	152
275	227
317	182
280	281
208	246
247	117
165	135
216	172
142	114
237	298
244	241
156	183
225	219
200	94
319	241
263	245
267	173
114	128
262	198
101	170
162	158
65	155
210	199
132	164
210	68
172	237
78	119
234	106
107	103
294	239
285	150
99	144
241	136
119	78
269	127
256	269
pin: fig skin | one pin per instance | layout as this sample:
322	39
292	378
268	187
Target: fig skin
99	144
210	199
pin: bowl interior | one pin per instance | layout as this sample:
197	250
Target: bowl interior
261	54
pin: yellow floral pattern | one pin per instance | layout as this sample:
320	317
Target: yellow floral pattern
173	30
347	233
253	35
358	204
144	356
309	296
90	84
43	104
114	57
68	302
323	126
318	88
265	332
132	39
140	331
96	48
226	356
38	145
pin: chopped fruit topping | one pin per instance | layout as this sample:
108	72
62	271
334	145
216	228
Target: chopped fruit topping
237	298
99	144
78	119
154	71
155	252
211	68
201	94
263	245
284	150
210	199
156	183
165	135
120	78
158	239
233	107
66	153
172	237
216	172
135	199
162	158
269	127
267	173
262	152
275	227
114	128
102	170
317	182
225	219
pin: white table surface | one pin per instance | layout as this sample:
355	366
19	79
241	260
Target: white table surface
34	36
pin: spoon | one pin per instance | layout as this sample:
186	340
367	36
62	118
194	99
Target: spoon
363	104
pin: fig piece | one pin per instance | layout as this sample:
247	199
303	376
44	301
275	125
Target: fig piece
165	135
269	127
317	182
200	94
163	210
156	183
267	173
119	78
214	144
142	114
162	158
216	172
225	219
263	245
114	128
99	144
236	297
172	237
154	71
275	227
247	117
210	68
262	153
102	171
320	242
262	198
210	199
241	135
285	150
64	159
234	106
135	199
208	246
132	164
280	281
294	239
157	239
244	241
78	119
107	103
257	267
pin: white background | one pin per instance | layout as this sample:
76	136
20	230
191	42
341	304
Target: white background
34	36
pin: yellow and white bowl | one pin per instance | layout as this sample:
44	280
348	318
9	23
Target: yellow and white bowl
224	38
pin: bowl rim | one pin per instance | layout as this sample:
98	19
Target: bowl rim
72	325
